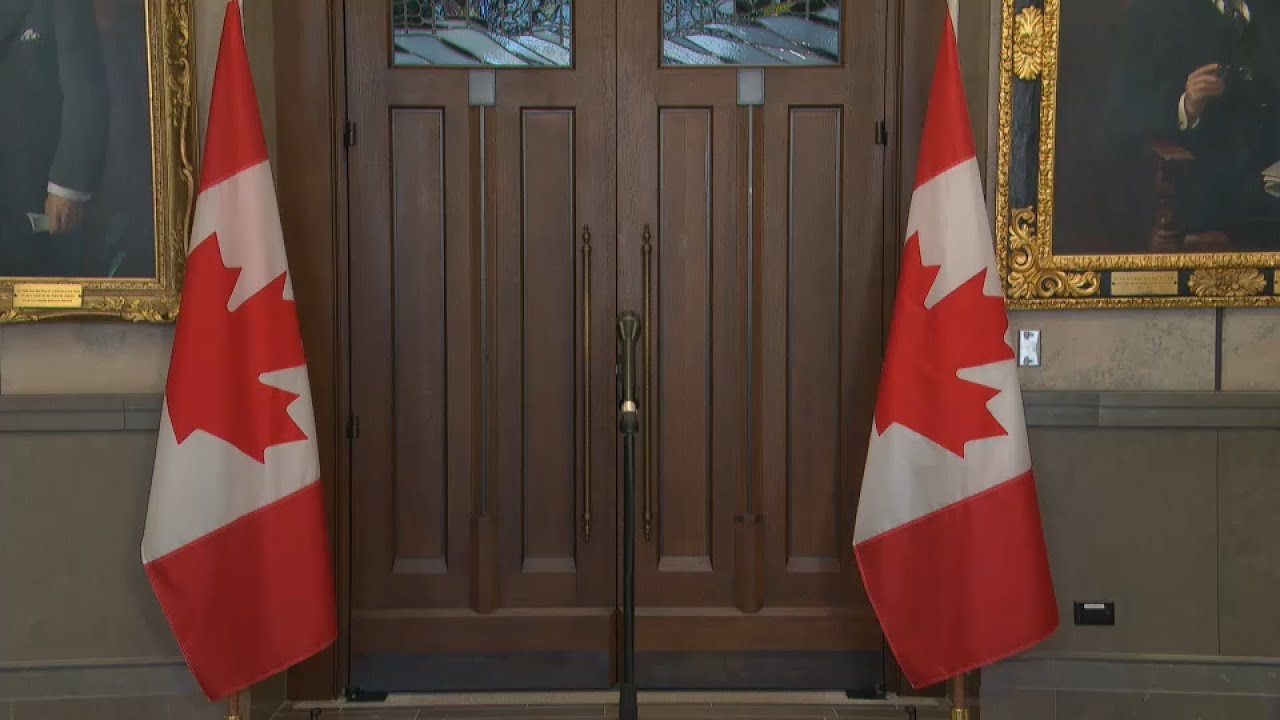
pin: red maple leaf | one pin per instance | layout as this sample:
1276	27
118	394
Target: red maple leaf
219	356
919	387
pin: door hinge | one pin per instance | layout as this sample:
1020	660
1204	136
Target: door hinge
353	427
882	133
349	135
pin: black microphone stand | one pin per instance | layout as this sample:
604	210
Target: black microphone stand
628	425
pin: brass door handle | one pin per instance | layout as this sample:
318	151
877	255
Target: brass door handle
650	416
586	389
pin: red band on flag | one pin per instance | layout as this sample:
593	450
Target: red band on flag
252	598
948	135
235	140
964	586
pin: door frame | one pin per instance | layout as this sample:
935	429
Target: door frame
311	174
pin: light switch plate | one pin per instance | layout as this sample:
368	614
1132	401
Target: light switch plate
482	88
1029	348
750	86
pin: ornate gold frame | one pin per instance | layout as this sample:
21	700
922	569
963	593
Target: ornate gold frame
1033	276
171	81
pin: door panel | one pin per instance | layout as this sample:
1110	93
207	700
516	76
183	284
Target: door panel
763	281
684	488
821	319
483	530
418	242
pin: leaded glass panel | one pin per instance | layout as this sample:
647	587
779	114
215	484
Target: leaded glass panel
482	33
751	32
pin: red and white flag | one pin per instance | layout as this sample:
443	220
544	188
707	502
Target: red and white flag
236	544
948	534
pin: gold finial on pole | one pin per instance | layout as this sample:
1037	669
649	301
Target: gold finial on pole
959	702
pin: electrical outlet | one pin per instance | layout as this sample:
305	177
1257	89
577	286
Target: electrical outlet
1029	348
1095	613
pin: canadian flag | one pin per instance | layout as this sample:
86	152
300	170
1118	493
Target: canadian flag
236	544
948	534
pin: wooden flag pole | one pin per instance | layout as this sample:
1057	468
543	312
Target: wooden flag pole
233	706
959	703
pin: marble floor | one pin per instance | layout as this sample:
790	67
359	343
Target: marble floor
656	707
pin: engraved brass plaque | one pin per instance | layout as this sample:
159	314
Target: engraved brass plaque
48	295
1153	282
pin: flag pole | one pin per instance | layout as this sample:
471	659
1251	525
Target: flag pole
959	703
233	706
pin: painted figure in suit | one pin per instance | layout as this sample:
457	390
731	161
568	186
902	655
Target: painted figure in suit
53	132
1205	75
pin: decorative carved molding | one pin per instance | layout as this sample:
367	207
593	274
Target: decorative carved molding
1028	43
1028	278
1227	282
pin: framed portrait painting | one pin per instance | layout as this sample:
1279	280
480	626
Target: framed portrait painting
96	157
1139	153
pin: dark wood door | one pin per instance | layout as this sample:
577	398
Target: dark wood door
484	502
751	240
483	475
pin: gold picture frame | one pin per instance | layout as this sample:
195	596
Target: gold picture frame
170	114
1038	275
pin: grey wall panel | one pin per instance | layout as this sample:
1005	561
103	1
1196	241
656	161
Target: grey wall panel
72	506
1249	549
1130	518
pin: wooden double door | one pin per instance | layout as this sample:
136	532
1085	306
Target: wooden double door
500	219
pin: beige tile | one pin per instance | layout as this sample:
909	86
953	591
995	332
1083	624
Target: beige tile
738	712
1007	704
197	707
1249	550
84	358
1164	706
1119	676
506	699
1250	345
152	708
885	713
95	679
772	712
348	713
742	697
541	712
1131	517
647	715
1121	350
1021	674
1211	678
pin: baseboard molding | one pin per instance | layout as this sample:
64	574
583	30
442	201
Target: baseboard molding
96	679
1145	673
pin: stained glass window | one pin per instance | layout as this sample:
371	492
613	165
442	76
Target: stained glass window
751	32
482	33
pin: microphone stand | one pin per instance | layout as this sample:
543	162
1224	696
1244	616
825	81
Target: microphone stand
628	425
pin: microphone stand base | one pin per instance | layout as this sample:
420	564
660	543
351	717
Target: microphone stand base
628	709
